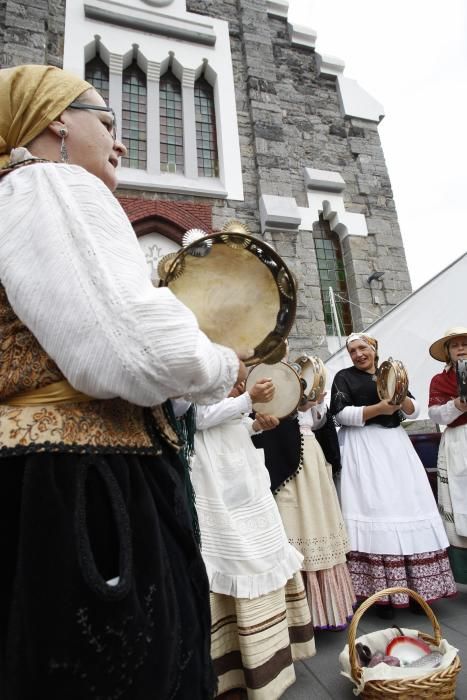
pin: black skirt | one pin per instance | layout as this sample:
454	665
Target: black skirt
103	592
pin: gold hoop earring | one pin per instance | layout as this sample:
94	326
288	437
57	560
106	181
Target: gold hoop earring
63	149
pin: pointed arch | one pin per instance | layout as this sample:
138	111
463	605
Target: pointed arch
331	273
171	123
134	111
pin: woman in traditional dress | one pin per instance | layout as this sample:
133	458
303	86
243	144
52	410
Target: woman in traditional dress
302	481
447	408
261	621
103	591
396	534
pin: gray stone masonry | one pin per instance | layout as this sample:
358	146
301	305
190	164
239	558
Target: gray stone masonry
31	31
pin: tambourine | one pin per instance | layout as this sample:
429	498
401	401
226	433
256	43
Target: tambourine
461	375
288	389
392	382
312	373
240	290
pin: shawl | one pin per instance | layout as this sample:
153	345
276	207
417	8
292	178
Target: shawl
282	451
354	387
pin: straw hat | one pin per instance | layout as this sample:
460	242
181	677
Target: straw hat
438	349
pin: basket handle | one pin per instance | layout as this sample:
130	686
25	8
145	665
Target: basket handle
355	667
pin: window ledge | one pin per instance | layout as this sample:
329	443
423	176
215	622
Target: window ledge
142	180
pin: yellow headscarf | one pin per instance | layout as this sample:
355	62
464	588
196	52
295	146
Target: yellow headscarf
30	98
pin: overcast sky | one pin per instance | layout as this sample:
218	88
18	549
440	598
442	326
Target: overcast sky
411	55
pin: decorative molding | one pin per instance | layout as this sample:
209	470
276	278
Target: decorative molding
325	196
302	36
188	77
150	21
158	3
277	8
329	66
115	63
130	178
279	213
323	180
357	102
153	70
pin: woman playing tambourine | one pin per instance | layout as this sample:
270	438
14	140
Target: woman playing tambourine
396	535
447	408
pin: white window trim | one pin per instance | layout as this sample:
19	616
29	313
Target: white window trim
189	59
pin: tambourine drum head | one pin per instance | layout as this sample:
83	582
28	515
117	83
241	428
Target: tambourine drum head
314	374
392	381
240	291
287	384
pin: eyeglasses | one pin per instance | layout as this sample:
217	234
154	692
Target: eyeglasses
80	105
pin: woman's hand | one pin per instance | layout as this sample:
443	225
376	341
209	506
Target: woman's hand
388	409
309	404
265	422
262	391
383	408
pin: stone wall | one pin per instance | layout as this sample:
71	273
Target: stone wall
31	31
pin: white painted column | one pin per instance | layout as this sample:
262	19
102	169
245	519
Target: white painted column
153	140
115	88
189	123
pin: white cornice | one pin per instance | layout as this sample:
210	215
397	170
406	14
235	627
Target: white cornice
278	213
329	65
357	102
150	21
302	36
277	8
325	180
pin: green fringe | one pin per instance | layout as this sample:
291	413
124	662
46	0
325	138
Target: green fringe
185	427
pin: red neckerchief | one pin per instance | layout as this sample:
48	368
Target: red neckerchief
443	388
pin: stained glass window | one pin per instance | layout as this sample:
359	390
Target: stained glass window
134	108
206	136
332	274
171	124
97	73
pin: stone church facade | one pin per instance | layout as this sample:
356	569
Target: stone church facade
233	112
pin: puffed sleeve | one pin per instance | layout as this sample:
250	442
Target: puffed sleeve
76	277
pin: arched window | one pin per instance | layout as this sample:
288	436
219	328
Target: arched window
331	274
206	135
134	109
171	124
97	73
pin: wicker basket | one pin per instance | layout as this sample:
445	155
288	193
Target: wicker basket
438	685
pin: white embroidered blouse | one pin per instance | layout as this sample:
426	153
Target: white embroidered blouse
76	277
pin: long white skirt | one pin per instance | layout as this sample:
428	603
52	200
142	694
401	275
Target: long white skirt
387	503
452	497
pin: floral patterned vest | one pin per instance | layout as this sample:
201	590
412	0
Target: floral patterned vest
97	425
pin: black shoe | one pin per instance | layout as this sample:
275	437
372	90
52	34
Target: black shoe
385	612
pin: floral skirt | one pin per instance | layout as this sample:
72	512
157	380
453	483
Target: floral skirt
428	574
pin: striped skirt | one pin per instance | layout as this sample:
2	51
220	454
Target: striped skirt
255	642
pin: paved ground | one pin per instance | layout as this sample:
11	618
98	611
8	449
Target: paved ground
319	678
